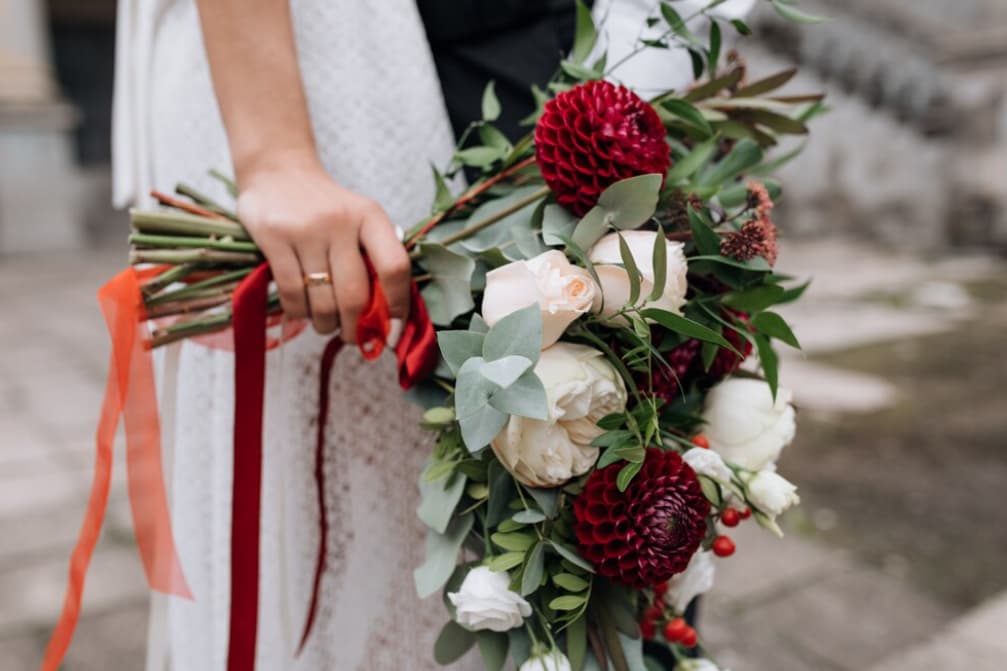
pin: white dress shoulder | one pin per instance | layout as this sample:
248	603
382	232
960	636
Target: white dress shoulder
379	119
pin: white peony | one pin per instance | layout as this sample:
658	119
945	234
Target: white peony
607	260
772	494
707	462
696	579
562	290
581	388
551	661
745	426
485	601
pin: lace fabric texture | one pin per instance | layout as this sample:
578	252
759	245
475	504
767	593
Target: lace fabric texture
379	120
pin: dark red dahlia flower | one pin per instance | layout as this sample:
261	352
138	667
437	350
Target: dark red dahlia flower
726	361
648	533
596	134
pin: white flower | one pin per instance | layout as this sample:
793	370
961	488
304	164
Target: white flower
771	493
697	665
696	579
607	260
551	661
485	601
563	291
745	426
581	388
707	462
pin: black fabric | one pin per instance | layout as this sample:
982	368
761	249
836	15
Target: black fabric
515	43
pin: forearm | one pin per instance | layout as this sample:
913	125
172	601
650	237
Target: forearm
257	79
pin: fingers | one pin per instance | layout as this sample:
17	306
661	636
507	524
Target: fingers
352	285
322	306
391	262
289	280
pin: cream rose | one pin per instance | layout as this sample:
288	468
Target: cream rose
745	426
607	260
554	660
563	291
696	579
581	388
485	601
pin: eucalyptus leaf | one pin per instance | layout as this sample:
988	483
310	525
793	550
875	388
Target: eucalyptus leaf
557	223
439	498
480	423
457	347
448	294
591	227
632	202
571	556
441	555
547	500
529	516
519	333
526	397
504	371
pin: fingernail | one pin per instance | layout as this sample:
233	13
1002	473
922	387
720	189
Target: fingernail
400	232
394	331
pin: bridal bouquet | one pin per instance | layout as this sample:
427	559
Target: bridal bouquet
597	295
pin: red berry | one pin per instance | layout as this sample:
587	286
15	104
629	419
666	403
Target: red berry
689	638
730	517
723	546
745	513
699	440
660	589
676	629
652	613
647	629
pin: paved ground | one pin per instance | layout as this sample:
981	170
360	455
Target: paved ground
823	599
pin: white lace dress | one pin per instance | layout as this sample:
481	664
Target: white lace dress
379	120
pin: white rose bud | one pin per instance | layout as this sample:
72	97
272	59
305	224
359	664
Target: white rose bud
607	260
707	462
696	579
771	493
551	661
485	601
562	290
745	426
581	388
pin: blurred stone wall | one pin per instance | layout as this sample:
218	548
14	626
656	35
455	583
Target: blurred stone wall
914	152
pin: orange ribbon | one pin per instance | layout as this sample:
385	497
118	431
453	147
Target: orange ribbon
130	393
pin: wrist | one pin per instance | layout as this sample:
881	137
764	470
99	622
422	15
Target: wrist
253	165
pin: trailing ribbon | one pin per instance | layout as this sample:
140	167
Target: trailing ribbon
130	393
417	357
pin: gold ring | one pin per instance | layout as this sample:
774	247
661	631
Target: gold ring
317	279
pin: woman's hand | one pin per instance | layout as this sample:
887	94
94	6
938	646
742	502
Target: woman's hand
306	223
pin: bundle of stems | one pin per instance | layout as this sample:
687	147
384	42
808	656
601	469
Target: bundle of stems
205	252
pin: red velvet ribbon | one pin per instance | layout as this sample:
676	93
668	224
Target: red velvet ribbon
416	352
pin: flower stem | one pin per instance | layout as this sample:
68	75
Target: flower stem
197	304
168	277
187	256
490	220
205	201
474	192
183	223
197	287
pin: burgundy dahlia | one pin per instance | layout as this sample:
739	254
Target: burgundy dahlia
726	361
596	134
648	533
